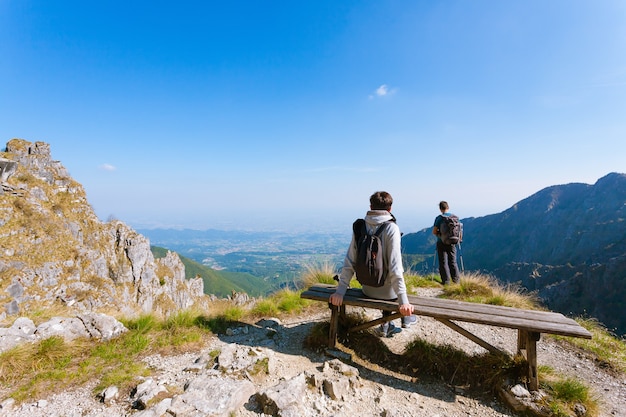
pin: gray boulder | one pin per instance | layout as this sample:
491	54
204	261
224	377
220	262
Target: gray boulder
210	396
22	331
67	328
88	325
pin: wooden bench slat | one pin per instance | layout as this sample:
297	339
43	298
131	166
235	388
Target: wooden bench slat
529	320
492	309
461	306
466	306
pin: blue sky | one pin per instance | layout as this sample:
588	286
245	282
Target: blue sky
289	114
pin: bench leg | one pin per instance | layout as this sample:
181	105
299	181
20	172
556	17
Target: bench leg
334	323
521	341
527	341
335	314
472	337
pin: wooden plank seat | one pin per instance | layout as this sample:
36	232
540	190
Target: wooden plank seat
528	323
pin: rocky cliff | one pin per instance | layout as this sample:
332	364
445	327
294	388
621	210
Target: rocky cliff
56	255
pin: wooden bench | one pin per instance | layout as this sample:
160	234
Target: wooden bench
529	323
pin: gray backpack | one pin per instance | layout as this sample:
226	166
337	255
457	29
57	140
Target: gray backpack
369	266
450	230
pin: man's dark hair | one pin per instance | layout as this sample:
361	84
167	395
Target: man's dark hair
381	200
443	205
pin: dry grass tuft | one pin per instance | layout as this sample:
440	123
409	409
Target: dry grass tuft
318	274
479	288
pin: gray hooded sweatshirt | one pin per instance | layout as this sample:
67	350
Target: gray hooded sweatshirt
394	286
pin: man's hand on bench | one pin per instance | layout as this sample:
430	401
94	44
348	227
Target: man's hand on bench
406	309
336	299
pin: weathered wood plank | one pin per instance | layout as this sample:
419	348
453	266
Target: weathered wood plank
443	309
462	306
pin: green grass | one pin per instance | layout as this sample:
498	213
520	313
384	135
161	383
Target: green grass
52	365
413	282
607	348
142	324
283	302
565	394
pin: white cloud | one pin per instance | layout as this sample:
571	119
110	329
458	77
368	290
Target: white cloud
382	91
107	167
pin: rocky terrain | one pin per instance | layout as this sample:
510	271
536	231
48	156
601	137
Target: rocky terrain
224	379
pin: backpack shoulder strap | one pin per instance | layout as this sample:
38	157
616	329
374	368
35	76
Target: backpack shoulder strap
358	228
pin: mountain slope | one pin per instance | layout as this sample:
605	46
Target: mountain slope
58	256
219	283
567	242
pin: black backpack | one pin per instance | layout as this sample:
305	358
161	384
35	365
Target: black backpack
369	266
450	229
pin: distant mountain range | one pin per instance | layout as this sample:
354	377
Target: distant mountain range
566	242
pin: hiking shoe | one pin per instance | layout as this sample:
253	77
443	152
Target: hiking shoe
388	330
408	321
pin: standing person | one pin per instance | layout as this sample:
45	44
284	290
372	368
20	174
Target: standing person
394	286
448	269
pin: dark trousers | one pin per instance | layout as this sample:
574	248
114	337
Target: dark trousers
448	269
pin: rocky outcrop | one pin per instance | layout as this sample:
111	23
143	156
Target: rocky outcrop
7	168
87	325
55	252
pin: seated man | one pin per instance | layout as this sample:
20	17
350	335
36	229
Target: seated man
394	286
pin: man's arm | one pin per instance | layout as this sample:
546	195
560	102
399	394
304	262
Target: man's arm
436	225
396	270
347	272
336	299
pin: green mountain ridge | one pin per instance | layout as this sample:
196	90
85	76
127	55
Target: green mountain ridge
566	243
